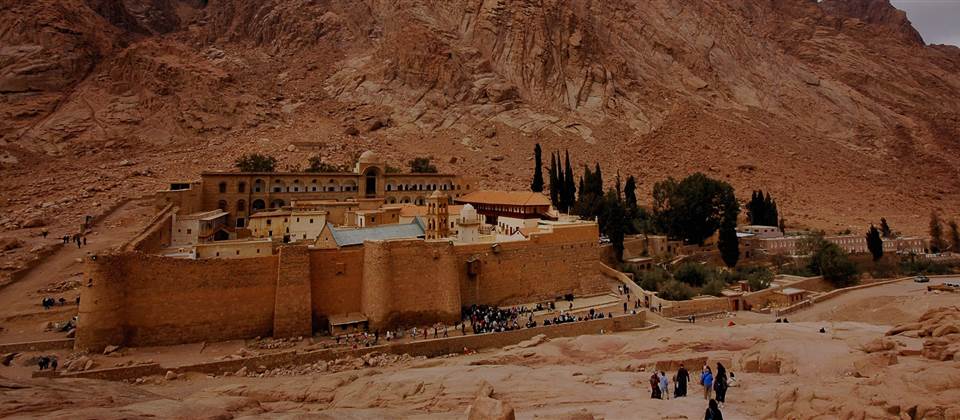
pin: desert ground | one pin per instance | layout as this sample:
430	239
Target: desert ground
783	370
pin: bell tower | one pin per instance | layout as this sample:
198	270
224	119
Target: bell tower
438	216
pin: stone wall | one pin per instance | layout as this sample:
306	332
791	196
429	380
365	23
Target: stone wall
136	300
336	280
156	235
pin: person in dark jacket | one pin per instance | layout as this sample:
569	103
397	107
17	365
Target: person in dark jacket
655	386
713	411
720	384
682	377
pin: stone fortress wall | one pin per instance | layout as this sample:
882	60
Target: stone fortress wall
134	299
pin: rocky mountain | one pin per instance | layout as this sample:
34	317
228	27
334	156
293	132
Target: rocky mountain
836	107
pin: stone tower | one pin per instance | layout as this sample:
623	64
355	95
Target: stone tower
438	216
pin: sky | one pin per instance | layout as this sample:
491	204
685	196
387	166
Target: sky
938	21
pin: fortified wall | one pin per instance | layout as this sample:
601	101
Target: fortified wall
135	299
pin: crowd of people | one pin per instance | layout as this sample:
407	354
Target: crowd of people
714	386
45	362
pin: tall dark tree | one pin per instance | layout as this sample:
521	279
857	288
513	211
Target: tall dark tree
569	185
555	183
537	184
614	221
936	234
630	197
885	228
755	211
875	243
728	244
954	236
771	215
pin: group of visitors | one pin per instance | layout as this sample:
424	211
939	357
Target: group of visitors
48	302
45	362
78	238
712	383
485	319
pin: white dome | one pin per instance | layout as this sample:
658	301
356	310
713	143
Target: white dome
369	157
468	212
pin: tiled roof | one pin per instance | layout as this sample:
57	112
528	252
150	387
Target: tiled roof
351	236
513	198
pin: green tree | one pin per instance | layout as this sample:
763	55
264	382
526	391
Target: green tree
885	228
630	196
615	222
728	243
713	287
693	209
875	243
832	262
555	183
256	162
954	236
675	290
936	234
422	165
537	184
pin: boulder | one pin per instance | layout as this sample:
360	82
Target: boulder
486	408
877	345
945	329
110	349
170	375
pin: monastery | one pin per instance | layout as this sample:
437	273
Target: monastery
241	255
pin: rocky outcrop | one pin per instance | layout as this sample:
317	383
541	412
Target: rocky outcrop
877	12
940	328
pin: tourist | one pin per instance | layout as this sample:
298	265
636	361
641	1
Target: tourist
713	411
732	382
664	386
720	384
44	233
823	330
43	362
84	240
706	379
624	307
655	386
682	377
53	363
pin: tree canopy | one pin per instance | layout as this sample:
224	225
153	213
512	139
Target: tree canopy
762	210
693	209
422	165
256	162
875	243
537	184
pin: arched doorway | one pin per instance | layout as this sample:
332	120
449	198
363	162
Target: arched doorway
258	205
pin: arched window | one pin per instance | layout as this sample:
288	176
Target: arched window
258	186
241	206
258	205
295	187
223	187
275	204
279	186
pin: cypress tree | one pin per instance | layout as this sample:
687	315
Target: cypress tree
554	182
630	196
885	228
570	187
770	216
614	222
875	243
954	236
537	184
728	243
936	233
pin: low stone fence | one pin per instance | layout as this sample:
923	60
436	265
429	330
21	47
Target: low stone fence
61	344
429	348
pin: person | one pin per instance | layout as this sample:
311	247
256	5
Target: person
44	233
706	379
664	386
732	382
53	363
660	307
823	330
84	240
42	362
655	386
624	307
720	384
682	377
713	411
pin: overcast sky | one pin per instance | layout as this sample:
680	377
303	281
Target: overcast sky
937	20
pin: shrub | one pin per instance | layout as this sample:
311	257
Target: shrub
318	166
693	274
675	290
652	279
833	263
422	165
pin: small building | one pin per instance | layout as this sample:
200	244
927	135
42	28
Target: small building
788	296
195	228
333	237
760	231
237	248
639	263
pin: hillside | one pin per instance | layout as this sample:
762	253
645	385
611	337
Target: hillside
837	108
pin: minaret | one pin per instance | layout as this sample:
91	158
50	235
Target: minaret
438	216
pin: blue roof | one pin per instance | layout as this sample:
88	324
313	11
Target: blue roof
354	236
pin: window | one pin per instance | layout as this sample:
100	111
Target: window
311	220
269	222
242	187
223	187
189	231
238	252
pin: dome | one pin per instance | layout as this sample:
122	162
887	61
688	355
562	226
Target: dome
468	212
369	157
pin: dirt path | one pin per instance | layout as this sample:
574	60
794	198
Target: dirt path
20	311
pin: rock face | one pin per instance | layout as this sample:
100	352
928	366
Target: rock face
940	328
772	90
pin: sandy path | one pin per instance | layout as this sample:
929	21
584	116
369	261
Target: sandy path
20	307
